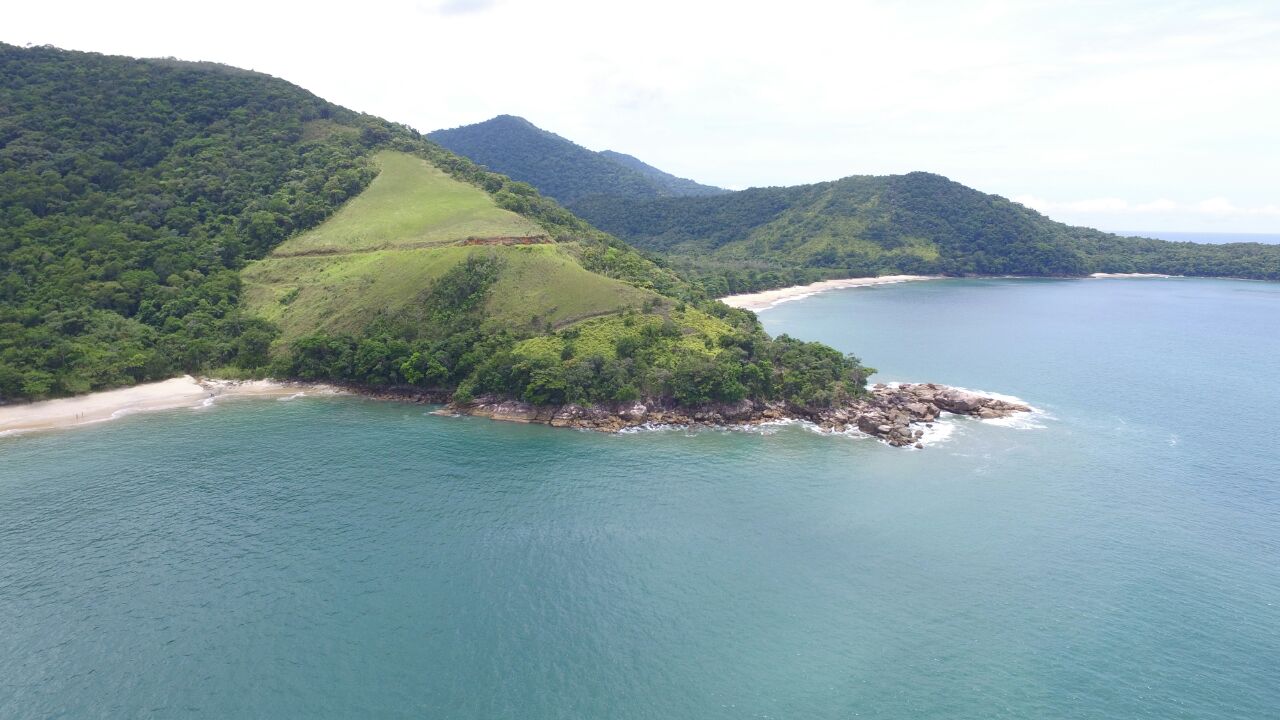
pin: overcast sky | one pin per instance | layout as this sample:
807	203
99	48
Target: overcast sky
1124	115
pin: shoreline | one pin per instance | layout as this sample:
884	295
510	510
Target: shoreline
172	394
766	299
1102	275
898	414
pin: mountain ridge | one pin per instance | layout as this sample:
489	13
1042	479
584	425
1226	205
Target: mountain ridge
559	167
918	222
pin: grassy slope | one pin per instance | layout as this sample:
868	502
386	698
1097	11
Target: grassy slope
383	249
410	202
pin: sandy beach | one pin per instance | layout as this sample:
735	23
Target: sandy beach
179	392
1129	275
768	298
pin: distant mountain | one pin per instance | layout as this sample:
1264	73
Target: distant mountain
673	186
859	225
915	223
558	167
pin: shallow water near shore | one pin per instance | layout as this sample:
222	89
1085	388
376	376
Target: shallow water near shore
339	557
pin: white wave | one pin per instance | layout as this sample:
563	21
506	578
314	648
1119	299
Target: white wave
1021	421
651	427
768	427
942	431
294	396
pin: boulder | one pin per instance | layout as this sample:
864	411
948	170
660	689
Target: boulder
955	401
917	409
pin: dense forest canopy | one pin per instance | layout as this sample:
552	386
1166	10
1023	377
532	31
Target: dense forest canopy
130	192
133	193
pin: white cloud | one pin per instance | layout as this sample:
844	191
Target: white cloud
1216	206
1160	205
459	7
1213	214
1211	206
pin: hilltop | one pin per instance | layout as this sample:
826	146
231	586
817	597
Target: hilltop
560	168
162	217
917	223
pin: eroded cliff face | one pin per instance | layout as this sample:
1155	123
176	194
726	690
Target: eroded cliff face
895	414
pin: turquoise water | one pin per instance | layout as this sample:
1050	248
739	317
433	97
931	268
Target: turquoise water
338	557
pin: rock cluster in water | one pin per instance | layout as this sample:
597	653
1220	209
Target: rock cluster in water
895	414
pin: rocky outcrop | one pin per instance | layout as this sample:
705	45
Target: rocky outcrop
896	414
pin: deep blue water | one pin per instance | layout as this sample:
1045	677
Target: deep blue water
339	557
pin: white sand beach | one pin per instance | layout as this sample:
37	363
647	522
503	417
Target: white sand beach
179	392
1129	275
768	298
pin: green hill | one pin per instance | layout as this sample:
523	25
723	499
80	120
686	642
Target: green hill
559	168
914	223
406	230
159	217
859	225
410	202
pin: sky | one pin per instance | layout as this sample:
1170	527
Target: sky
1123	115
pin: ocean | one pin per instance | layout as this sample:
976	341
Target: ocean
1211	238
1117	555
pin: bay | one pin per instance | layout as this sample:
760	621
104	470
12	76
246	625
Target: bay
1116	556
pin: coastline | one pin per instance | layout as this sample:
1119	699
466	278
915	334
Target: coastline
898	414
174	393
766	299
1102	275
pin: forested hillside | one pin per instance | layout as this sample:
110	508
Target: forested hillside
914	223
667	183
559	168
859	225
159	217
130	192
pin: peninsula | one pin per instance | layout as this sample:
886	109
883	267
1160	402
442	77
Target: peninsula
268	233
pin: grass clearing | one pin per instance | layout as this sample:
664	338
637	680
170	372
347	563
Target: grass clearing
381	252
410	202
